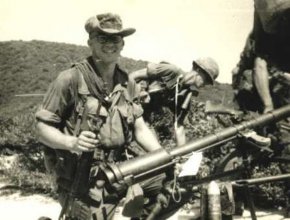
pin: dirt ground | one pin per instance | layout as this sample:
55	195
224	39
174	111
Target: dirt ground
17	206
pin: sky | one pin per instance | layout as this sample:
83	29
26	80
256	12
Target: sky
177	31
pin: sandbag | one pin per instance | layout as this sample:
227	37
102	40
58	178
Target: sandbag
274	14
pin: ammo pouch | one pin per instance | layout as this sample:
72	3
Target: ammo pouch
112	132
50	159
61	165
65	168
115	130
79	210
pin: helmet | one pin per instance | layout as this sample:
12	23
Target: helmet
209	65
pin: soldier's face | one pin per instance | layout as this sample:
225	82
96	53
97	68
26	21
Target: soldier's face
194	78
199	80
106	47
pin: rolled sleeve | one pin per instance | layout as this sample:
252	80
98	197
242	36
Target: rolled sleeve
162	69
134	91
47	116
57	99
137	110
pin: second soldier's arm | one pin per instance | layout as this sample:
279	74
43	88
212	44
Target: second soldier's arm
261	80
144	136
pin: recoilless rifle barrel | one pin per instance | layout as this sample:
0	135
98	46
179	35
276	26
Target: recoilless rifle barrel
155	162
261	180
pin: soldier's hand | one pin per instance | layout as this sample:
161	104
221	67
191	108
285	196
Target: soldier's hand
86	141
268	108
235	71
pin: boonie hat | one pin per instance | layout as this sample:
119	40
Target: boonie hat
108	23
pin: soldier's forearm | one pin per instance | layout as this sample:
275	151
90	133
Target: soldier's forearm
145	137
260	77
139	74
54	138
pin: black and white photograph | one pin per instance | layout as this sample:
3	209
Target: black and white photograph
145	110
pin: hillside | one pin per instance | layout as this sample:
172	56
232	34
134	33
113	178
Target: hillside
29	66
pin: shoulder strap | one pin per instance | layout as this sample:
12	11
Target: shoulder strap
83	113
93	82
81	116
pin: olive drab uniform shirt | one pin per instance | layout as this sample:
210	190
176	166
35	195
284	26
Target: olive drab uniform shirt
64	99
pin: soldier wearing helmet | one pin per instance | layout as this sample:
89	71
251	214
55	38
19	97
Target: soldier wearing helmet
163	76
159	80
207	68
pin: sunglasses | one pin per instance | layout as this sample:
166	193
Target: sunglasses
102	39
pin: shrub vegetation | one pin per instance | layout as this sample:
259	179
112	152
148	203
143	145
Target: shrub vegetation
29	67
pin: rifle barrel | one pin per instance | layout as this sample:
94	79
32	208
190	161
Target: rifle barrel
261	180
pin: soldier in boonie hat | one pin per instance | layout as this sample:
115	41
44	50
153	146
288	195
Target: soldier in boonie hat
109	24
92	107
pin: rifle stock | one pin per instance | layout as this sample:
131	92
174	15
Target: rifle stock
152	163
220	109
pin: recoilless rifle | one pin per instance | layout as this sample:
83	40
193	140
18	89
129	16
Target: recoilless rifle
153	163
146	166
